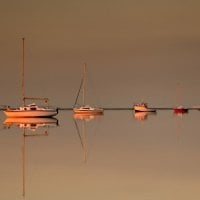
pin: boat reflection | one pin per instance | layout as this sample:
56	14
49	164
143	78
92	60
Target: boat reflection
180	114
80	121
142	116
180	111
30	123
86	117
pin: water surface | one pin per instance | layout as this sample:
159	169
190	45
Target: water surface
118	157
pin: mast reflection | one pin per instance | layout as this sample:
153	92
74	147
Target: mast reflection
30	128
80	121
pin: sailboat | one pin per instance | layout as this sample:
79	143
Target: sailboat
31	110
179	110
85	109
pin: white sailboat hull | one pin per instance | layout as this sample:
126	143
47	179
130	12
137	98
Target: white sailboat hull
91	111
31	113
143	109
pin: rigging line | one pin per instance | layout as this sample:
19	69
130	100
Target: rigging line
82	80
78	131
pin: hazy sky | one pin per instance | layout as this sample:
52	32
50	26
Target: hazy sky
134	50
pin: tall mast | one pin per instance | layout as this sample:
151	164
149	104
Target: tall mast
84	82
22	71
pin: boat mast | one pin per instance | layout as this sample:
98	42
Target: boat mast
82	87
84	82
22	71
78	92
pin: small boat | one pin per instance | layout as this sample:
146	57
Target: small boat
180	110
31	110
85	109
143	107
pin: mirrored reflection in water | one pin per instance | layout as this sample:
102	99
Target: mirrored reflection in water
142	116
180	114
29	127
30	123
109	157
86	117
80	121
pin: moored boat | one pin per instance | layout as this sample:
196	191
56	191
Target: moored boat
31	110
180	110
85	109
88	110
143	107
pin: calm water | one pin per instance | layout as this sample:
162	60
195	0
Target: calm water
117	157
